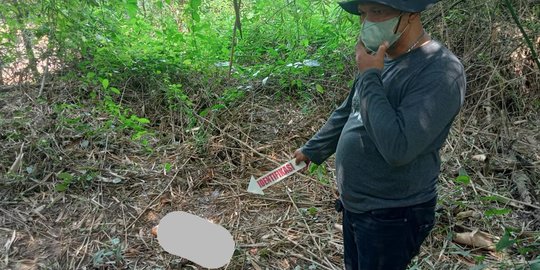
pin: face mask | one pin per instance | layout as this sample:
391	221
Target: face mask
373	34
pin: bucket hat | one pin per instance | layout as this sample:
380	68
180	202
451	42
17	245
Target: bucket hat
403	5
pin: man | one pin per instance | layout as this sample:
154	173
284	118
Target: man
388	132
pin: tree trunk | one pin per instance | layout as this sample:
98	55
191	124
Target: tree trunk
27	40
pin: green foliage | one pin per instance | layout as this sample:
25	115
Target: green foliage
496	212
167	167
201	140
320	172
505	240
463	177
159	47
193	9
535	265
69	180
131	8
179	101
113	255
311	211
126	119
231	95
66	181
493	199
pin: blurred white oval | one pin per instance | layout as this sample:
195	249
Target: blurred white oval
196	239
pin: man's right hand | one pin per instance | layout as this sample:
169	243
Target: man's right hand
299	156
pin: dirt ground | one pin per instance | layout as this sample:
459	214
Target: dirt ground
119	189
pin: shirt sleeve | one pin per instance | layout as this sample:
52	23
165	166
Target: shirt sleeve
403	133
323	144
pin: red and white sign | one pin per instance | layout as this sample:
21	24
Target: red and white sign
257	185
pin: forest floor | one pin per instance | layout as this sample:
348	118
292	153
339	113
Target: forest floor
77	195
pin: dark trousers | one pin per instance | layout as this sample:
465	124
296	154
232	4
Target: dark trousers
386	239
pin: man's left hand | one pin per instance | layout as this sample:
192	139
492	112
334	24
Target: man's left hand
366	61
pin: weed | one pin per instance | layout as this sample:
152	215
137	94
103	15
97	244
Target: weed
113	255
319	171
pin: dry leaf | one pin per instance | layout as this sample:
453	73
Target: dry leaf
132	252
480	158
154	231
475	239
467	214
17	164
165	199
152	217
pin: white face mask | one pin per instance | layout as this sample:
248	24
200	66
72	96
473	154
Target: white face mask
373	34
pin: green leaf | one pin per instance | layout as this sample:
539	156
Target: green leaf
167	167
505	241
105	83
312	210
66	177
535	265
66	181
479	259
61	187
194	8
495	212
114	90
138	135
463	177
493	199
218	107
143	120
132	8
204	112
319	88
312	167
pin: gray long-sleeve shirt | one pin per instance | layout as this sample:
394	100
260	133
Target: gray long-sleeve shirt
388	132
